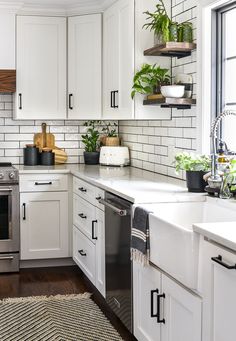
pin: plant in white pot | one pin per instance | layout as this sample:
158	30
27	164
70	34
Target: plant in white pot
111	137
91	143
196	166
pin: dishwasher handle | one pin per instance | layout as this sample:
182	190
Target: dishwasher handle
121	212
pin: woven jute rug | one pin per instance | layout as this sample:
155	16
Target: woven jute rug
61	317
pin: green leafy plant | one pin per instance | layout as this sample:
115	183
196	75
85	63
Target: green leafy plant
192	162
91	138
149	78
159	21
110	130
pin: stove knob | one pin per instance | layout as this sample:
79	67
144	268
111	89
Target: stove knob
1	176
11	175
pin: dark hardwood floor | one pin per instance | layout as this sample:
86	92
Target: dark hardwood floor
54	281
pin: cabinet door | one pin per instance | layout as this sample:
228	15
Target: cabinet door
84	67
219	296
99	233
44	225
41	68
182	313
146	282
118	60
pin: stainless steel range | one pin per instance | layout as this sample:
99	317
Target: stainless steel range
9	218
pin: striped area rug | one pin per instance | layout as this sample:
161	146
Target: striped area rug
59	318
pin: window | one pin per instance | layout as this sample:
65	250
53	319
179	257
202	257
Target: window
226	71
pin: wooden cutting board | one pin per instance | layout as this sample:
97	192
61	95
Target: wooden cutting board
44	139
60	156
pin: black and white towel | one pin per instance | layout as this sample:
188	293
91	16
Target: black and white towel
140	243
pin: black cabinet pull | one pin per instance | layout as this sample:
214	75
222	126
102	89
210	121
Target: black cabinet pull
112	93
24	211
98	198
82	189
43	183
70	102
82	253
115	105
218	260
152	304
93	229
81	215
20	101
159	320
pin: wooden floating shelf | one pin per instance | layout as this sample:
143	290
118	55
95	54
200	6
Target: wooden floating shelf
171	49
179	103
8	81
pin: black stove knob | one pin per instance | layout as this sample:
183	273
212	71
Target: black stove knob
1	176
12	175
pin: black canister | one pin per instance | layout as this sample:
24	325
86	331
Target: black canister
31	155
47	157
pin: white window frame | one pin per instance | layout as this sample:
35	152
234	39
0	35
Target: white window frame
205	77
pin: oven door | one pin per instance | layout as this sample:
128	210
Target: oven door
9	218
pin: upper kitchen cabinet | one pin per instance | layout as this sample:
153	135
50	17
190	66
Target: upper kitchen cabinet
84	67
41	68
7	39
118	60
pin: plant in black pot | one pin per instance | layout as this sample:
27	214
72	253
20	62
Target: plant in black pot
91	143
196	166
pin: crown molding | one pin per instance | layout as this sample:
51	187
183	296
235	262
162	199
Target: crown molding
85	7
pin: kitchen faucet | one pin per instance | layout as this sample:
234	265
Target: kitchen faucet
215	178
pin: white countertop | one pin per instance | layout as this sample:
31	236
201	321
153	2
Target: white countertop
135	185
222	233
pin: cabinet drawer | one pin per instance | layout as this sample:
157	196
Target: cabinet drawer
43	182
84	254
84	190
99	194
84	216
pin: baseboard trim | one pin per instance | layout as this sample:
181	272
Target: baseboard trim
44	263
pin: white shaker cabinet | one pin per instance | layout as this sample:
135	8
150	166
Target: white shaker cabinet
85	67
163	309
146	284
118	60
218	283
44	225
41	68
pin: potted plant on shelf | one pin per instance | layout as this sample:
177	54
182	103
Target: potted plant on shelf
196	166
91	143
110	137
159	22
149	79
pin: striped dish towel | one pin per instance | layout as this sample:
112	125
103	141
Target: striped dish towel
140	243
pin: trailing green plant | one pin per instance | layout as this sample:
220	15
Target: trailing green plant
192	162
91	138
148	78
159	21
110	130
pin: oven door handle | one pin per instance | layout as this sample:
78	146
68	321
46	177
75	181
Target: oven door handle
6	258
5	189
121	212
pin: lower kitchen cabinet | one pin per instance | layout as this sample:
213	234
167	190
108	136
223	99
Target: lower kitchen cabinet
89	232
163	309
44	225
218	277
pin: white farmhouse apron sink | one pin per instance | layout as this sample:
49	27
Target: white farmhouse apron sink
174	246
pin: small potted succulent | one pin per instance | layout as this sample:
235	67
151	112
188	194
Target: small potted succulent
149	79
91	143
196	166
111	137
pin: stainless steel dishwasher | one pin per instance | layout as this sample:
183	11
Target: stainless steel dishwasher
117	253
